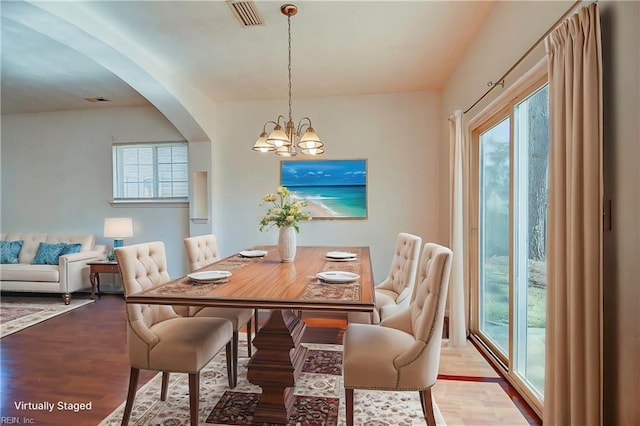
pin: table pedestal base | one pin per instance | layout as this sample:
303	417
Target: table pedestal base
276	365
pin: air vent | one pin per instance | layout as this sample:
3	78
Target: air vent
246	12
97	99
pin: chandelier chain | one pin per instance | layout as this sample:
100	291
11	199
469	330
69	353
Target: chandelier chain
289	31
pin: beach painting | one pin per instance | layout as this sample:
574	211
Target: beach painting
333	189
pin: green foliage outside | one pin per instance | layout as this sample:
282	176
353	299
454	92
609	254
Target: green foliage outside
497	292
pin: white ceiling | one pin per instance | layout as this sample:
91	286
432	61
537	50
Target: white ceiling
339	48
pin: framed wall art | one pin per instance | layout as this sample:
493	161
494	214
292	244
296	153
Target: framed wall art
333	189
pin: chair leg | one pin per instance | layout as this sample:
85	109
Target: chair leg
427	406
165	386
232	363
235	363
131	394
348	399
194	397
249	338
256	324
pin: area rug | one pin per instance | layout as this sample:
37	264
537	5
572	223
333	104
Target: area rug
18	313
319	397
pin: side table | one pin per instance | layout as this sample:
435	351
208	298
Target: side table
97	268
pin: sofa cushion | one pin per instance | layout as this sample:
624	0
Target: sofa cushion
9	251
48	254
23	272
71	249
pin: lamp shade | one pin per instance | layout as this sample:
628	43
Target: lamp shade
118	227
278	138
310	140
261	144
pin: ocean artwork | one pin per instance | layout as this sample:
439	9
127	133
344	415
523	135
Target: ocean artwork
333	189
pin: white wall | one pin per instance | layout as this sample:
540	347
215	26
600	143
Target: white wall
56	175
510	30
396	133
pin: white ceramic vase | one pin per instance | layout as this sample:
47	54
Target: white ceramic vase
287	244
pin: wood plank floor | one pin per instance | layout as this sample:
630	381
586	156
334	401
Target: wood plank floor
81	357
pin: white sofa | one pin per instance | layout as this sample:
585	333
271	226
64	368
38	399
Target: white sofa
69	275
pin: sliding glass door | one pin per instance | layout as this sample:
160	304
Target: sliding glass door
510	169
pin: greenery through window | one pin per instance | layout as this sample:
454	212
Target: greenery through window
151	171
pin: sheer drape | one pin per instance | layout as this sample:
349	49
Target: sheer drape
458	286
573	373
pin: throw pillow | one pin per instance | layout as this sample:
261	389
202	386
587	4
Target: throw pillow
71	248
9	251
48	254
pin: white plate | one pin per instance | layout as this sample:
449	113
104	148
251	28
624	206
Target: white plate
337	276
209	276
253	253
346	259
340	255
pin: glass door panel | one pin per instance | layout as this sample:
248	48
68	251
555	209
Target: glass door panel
531	130
493	234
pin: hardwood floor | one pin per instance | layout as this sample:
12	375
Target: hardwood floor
81	358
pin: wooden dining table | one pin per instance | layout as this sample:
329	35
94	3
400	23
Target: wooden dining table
283	288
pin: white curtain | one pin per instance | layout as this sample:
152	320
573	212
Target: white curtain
458	284
573	371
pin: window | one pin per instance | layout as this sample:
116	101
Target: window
510	172
151	171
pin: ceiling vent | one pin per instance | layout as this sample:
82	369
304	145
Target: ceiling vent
97	99
246	12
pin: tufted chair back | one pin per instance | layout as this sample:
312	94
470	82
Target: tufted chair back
143	266
201	251
397	288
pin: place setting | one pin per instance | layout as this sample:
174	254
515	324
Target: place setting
341	256
252	253
337	277
209	277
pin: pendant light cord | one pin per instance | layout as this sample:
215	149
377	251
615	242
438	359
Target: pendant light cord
289	31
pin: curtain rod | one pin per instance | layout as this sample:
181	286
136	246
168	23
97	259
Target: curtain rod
500	81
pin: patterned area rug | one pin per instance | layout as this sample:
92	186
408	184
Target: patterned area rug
319	397
18	313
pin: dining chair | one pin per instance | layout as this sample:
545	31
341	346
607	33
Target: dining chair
158	339
201	251
402	353
394	293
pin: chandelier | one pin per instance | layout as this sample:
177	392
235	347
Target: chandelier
281	141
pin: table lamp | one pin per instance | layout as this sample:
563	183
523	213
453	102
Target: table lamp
117	228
